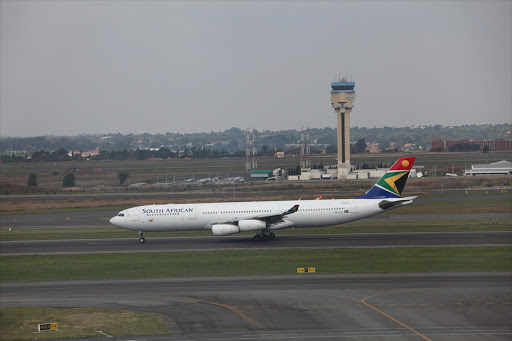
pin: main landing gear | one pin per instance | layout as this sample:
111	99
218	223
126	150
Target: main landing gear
141	239
264	236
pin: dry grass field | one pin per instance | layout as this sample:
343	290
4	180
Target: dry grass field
281	190
102	188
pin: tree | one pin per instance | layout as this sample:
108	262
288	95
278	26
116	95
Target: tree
360	146
32	180
122	177
485	149
264	150
331	149
60	155
69	180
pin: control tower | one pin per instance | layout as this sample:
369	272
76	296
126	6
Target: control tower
343	96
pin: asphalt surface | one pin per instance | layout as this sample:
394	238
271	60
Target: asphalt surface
409	306
231	243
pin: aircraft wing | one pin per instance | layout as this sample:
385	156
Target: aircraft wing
271	217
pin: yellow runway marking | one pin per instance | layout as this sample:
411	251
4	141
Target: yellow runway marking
239	313
363	301
394	319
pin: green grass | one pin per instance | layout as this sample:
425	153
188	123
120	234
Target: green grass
270	262
20	323
356	227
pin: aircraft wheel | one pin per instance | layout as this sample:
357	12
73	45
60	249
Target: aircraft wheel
272	236
257	237
142	240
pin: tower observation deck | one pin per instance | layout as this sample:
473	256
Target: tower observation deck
343	96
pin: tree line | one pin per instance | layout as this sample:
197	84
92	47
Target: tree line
233	139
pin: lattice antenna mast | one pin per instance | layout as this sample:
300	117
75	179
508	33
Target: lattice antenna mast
302	160
307	157
247	150
254	150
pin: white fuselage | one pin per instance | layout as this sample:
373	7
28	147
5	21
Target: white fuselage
190	217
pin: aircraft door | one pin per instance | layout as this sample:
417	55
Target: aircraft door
353	207
135	214
192	214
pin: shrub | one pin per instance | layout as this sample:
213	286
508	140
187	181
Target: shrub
69	180
32	180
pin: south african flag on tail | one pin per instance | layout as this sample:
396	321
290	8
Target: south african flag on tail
392	183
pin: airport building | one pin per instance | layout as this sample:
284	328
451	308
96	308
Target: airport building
497	168
260	174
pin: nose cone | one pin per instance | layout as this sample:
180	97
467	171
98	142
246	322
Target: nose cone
114	220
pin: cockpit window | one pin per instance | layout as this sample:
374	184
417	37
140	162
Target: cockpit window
120	215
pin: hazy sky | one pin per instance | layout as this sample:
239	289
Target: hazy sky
73	67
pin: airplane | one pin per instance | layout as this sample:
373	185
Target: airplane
265	217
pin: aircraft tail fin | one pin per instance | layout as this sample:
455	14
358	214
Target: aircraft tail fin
393	182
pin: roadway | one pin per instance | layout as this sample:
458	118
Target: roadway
407	306
238	242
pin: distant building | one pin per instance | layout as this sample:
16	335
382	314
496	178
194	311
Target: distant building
496	144
260	174
497	168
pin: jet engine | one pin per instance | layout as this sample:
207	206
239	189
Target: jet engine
243	226
251	225
224	229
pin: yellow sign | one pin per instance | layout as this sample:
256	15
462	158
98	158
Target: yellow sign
47	326
304	270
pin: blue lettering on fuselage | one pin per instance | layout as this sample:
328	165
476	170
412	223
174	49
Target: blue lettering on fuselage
166	211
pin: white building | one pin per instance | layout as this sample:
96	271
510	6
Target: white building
497	168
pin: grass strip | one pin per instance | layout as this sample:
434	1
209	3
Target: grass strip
356	227
20	323
268	262
474	205
458	207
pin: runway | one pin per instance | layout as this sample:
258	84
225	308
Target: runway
231	243
408	306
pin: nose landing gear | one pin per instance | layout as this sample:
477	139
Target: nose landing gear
141	239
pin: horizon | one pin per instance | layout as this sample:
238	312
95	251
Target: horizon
259	131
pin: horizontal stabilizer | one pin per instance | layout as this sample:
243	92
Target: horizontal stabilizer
390	203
